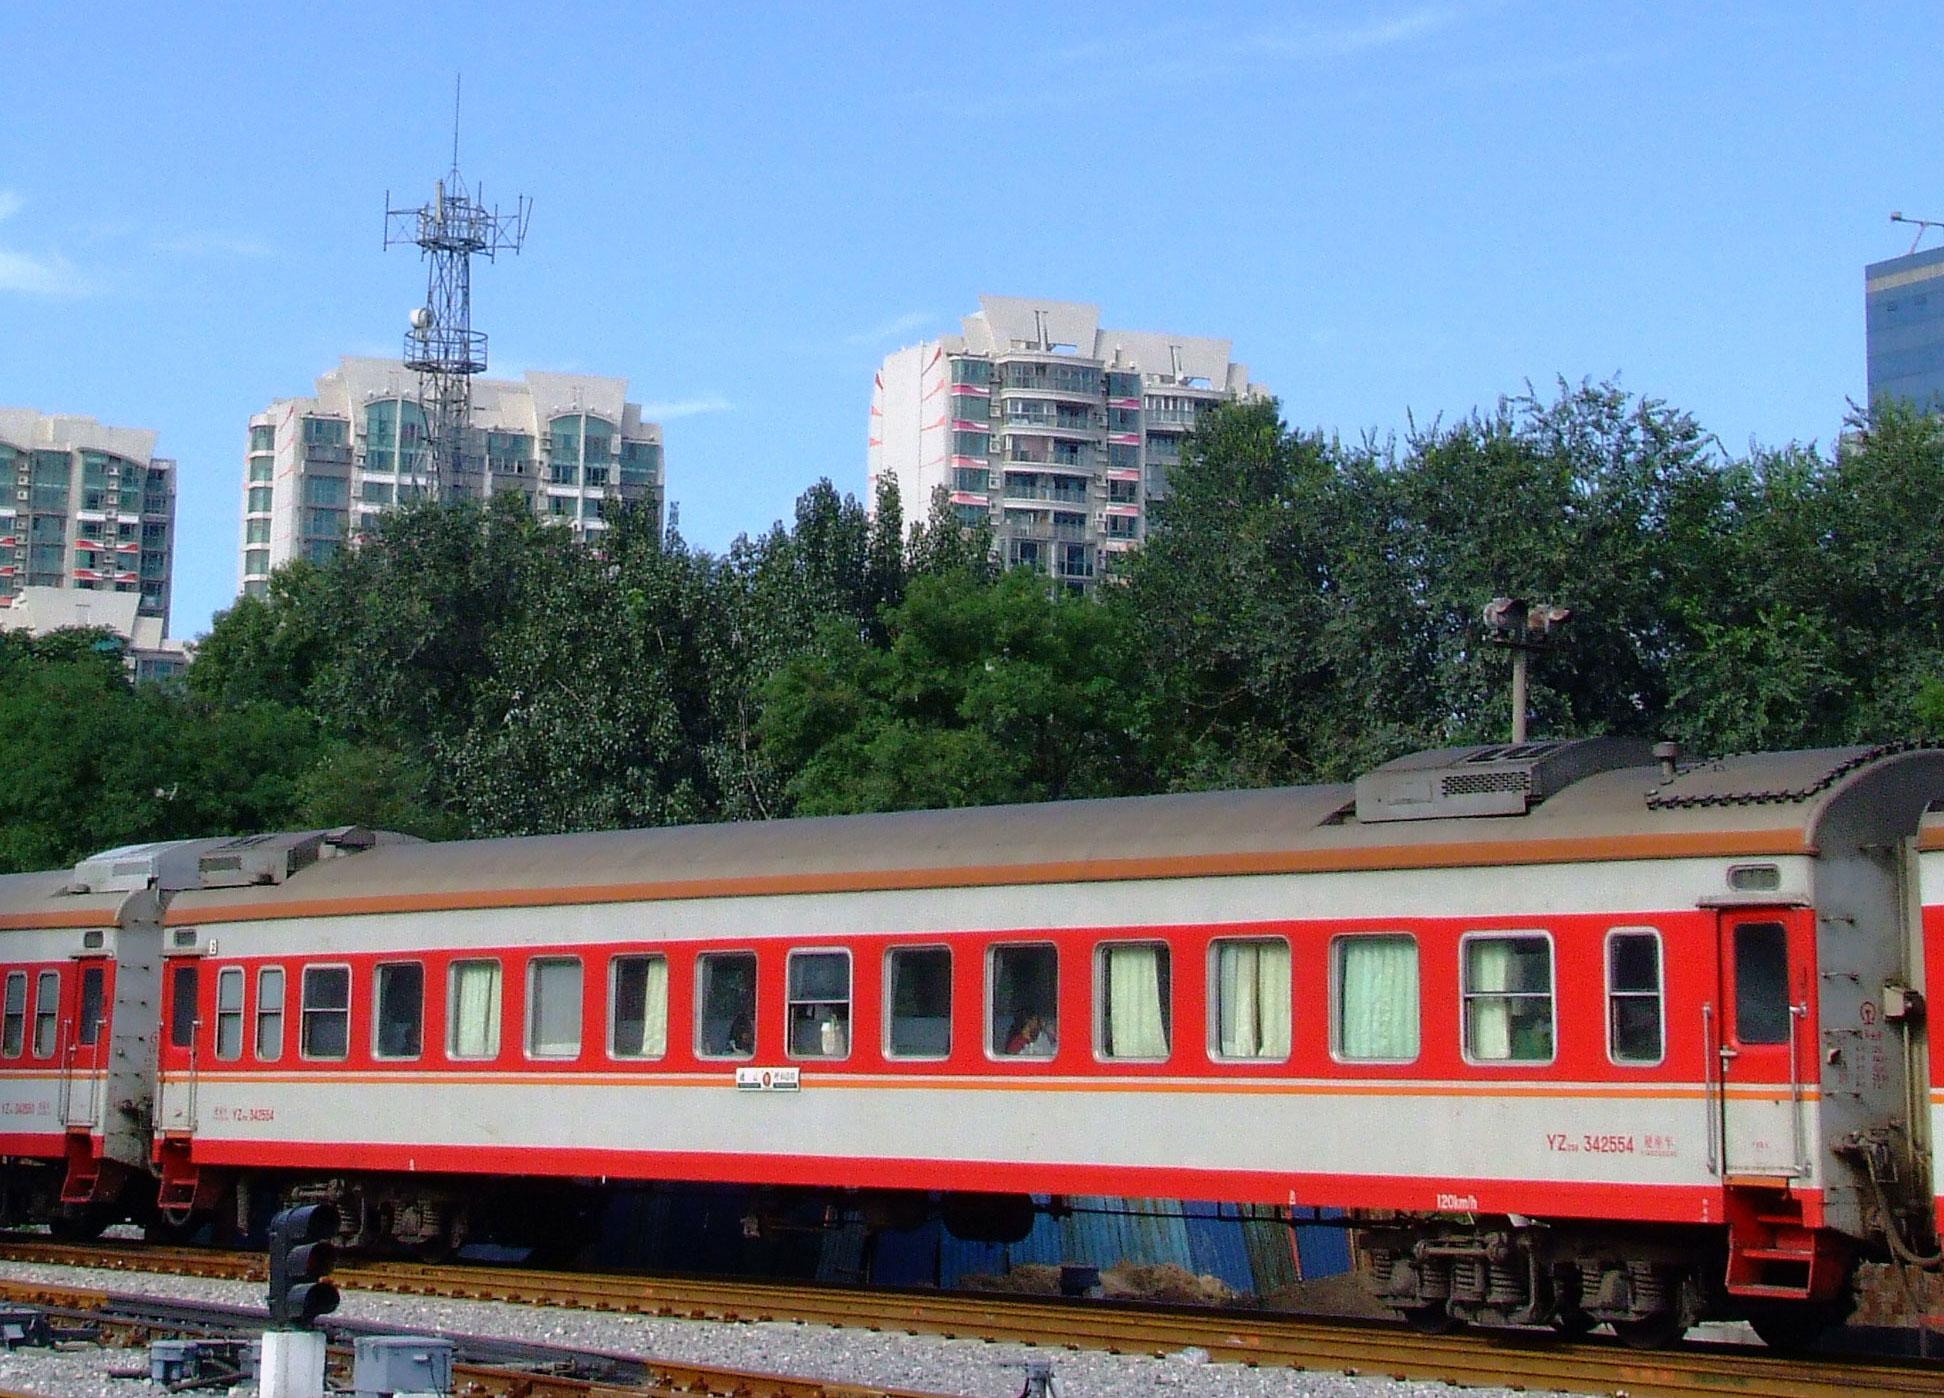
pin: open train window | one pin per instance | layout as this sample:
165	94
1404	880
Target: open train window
918	1002
13	1015
270	1014
1635	1033
1023	1001
553	1016
725	1004
1132	1001
47	1012
1374	1009
93	991
473	1009
638	1007
229	1013
398	1010
182	1004
324	1029
1248	979
1508	997
819	1005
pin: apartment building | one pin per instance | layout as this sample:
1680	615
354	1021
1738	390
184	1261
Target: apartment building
317	469
84	507
1904	328
1056	431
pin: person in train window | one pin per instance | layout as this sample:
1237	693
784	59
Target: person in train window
1031	1034
742	1034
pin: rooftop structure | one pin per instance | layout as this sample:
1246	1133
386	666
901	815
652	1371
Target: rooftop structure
318	469
150	656
1055	430
85	507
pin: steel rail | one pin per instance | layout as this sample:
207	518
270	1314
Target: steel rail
1358	1347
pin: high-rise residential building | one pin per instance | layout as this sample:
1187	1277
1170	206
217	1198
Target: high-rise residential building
1903	321
148	654
86	507
1056	431
316	469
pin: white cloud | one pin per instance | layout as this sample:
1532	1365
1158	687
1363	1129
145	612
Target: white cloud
684	407
9	204
213	245
40	276
892	328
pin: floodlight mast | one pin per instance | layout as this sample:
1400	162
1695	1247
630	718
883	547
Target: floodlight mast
1920	223
1522	627
440	343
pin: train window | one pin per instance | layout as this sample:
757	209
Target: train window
553	1018
638	1007
13	1015
1374	990
473	1009
182	1004
324	1016
270	1014
918	1002
1508	998
819	1004
229	1012
398	1010
1634	1025
92	990
47	1012
1131	1000
1251	986
725	1004
1761	983
1023	990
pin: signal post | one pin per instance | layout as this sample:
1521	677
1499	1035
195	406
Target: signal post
302	1252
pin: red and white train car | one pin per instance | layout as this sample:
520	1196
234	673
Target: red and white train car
1579	1031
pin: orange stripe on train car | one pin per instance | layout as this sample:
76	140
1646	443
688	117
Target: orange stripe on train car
1477	854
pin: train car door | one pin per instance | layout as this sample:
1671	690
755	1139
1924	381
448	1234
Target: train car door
1765	964
175	1108
84	1042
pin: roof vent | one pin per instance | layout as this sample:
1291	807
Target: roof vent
1492	780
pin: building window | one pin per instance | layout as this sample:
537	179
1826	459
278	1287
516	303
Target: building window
473	1009
1250	980
93	992
256	531
1508	1001
47	1012
638	1007
325	1020
553	1020
256	561
1023	990
918	1002
229	1013
725	1004
182	1005
260	471
270	1014
1633	963
819	1004
1375	985
327	490
1132	1000
263	438
259	500
398	1010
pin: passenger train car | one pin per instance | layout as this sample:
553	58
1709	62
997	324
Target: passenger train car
1579	1033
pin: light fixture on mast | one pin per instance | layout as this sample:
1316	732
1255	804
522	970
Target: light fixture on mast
1921	225
1523	628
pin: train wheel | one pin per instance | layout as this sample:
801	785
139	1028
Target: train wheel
1430	1320
1656	1331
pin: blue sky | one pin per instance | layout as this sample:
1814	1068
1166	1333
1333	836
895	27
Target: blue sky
1391	209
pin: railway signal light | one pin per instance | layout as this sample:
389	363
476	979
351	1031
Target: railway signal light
301	1255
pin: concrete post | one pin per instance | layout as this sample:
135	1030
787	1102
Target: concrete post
293	1364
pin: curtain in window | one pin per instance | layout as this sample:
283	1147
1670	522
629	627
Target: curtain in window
1378	994
654	1008
1488	967
476	1010
1253	987
1135	1025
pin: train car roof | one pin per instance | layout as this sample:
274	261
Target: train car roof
1752	806
37	900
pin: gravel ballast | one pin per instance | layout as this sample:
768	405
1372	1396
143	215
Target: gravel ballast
971	1368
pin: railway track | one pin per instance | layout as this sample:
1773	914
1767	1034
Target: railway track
1368	1348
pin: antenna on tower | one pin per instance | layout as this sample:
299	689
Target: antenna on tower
440	343
1922	224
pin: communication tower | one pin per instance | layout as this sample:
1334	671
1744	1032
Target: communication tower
440	343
